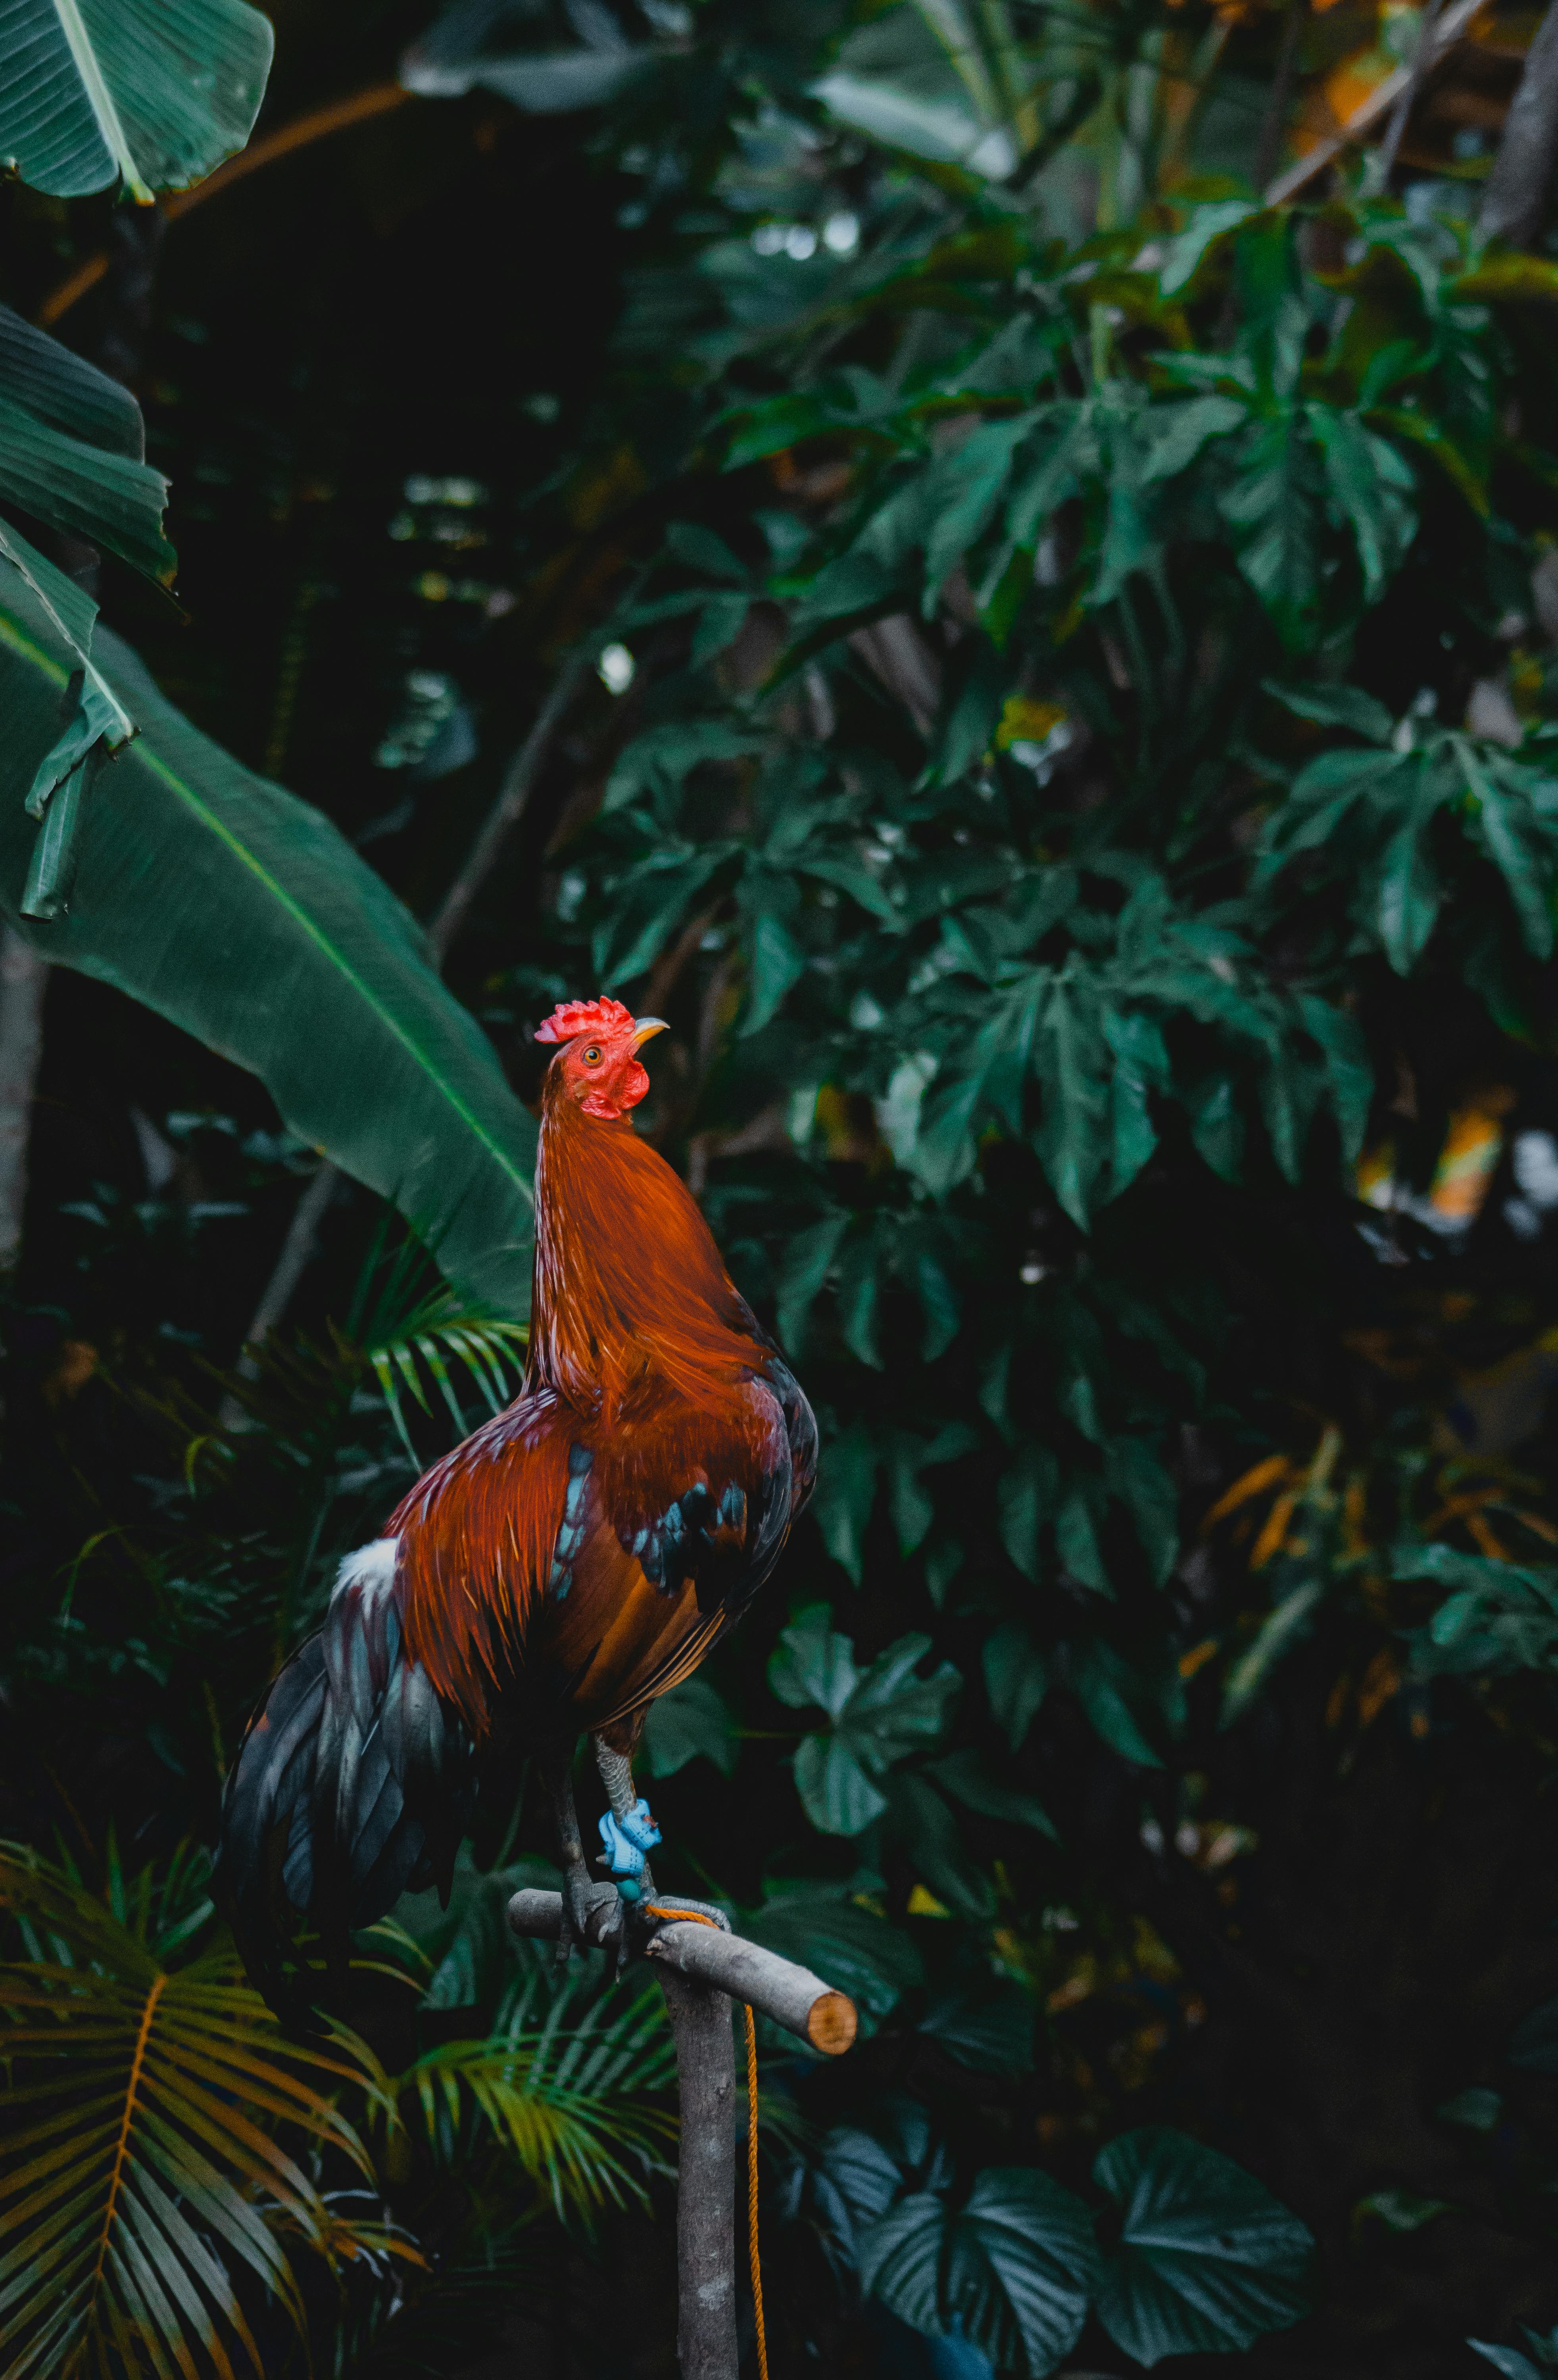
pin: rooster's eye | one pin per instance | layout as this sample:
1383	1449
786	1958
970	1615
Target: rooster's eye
592	1057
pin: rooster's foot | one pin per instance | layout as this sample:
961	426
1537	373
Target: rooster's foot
593	1914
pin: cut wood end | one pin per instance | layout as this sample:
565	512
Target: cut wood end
832	2024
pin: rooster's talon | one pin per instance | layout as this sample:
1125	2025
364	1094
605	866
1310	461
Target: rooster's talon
592	1915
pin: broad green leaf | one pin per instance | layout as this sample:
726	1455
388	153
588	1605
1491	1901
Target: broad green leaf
1150	1496
1016	1678
664	756
777	963
878	1715
844	1494
909	1500
1347	1065
459	53
1217	1126
1270	504
1407	895
1012	2268
936	1851
1507	2360
73	450
807	1261
700	549
940	128
240	914
1208	2259
970	485
1069	1056
1105	1687
152	93
1507	822
1368	482
989	2031
1180	433
966	1777
96	714
1207	224
692	1722
630	940
1024	1496
1141	1066
1077	1542
894	1711
1064	448
813	1663
940	1303
865	2176
859	1283
837	1796
1336	705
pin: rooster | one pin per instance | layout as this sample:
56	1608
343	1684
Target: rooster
572	1559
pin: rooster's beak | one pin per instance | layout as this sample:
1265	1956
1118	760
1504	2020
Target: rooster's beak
645	1028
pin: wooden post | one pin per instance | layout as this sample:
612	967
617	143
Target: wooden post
702	1969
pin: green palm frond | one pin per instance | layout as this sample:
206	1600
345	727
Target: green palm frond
146	2169
575	2106
406	1316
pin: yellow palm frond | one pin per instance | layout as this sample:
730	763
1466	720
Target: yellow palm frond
149	2165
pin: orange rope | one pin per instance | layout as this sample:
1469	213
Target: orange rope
696	1917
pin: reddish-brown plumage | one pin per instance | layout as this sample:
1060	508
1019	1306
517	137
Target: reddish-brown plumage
571	1561
643	1355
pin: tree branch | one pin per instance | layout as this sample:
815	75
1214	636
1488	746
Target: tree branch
377	99
1516	188
701	1968
24	977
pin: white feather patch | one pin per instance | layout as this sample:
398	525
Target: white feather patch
371	1566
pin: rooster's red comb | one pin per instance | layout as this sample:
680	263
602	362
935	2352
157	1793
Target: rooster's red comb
572	1017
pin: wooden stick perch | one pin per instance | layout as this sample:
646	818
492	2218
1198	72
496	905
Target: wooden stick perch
703	1968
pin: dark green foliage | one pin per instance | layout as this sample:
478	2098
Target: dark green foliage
1086	803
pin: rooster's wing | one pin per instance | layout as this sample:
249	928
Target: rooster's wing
578	1572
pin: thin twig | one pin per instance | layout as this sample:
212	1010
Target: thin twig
509	808
1275	116
1384	158
1456	21
513	798
357	108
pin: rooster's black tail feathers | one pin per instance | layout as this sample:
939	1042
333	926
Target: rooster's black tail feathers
353	1785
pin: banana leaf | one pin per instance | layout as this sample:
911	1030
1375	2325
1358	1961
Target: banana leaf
242	915
150	93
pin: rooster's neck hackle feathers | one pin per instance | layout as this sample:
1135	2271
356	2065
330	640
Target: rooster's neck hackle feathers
630	1294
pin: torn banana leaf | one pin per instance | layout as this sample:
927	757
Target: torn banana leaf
95	723
73	450
242	915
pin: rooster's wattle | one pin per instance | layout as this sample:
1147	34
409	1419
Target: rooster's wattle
574	1559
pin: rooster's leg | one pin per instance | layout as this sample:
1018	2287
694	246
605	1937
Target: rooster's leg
629	1832
592	1912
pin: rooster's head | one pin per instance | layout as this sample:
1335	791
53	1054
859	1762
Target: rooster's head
597	1066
